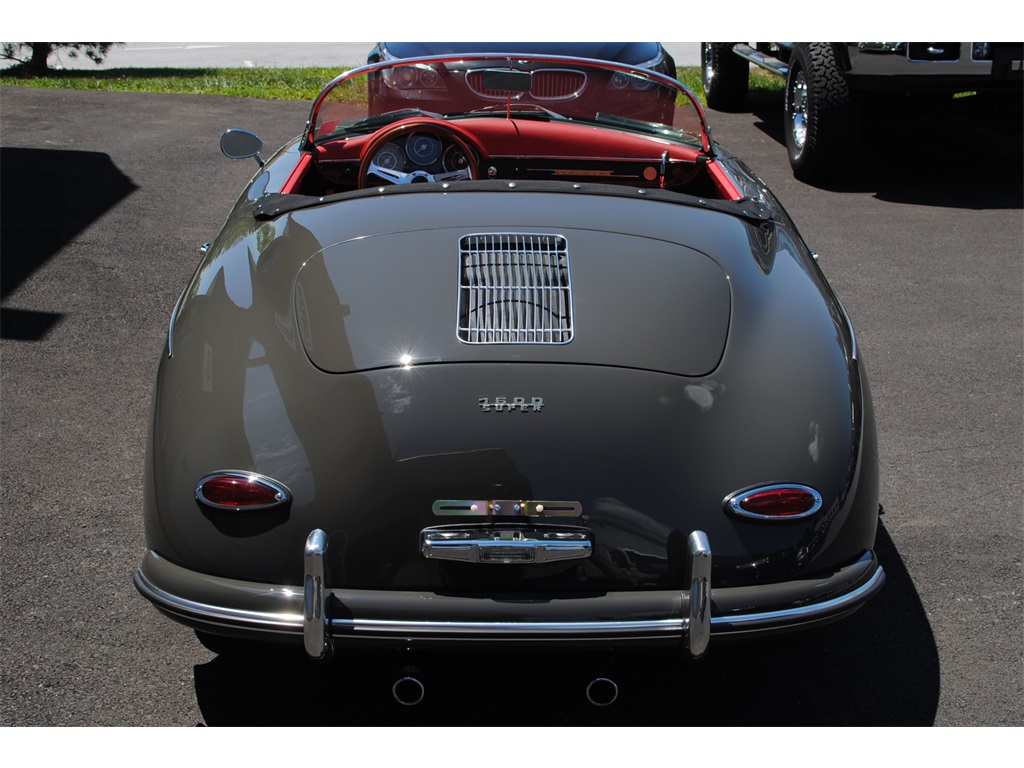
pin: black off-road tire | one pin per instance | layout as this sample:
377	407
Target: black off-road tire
821	118
725	76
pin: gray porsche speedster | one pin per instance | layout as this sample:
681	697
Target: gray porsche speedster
505	348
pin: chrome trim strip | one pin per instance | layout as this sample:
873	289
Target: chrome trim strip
581	158
570	628
204	249
764	60
719	624
216	614
170	324
849	323
802	614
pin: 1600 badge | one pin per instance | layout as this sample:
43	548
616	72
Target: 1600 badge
521	404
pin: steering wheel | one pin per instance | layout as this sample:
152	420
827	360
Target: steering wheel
444	133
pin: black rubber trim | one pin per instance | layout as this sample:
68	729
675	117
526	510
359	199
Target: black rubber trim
273	205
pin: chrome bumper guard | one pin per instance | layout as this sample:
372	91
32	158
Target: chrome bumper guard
696	618
614	618
315	624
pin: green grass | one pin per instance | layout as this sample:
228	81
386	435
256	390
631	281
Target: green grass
283	84
765	89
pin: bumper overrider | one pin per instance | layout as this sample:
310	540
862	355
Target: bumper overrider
326	617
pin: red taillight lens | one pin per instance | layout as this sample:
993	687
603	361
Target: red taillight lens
240	491
773	502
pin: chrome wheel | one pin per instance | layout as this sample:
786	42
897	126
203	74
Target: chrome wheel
820	114
724	76
798	109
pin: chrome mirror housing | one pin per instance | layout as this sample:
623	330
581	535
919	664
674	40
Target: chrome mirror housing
239	144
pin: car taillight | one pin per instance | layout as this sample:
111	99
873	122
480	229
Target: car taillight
775	502
240	491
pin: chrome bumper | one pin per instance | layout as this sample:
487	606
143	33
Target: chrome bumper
325	617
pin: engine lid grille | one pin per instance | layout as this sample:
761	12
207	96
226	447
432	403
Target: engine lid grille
514	289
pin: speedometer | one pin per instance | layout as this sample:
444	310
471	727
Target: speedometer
423	148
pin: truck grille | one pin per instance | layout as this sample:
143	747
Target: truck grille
514	289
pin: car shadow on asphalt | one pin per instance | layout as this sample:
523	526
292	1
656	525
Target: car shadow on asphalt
47	198
929	154
878	667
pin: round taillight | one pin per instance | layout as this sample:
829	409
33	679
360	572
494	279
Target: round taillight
775	502
240	491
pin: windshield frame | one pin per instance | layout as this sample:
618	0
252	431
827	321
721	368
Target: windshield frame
499	60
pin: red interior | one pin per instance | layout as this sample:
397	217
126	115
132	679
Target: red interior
533	149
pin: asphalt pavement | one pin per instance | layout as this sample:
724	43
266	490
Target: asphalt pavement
105	201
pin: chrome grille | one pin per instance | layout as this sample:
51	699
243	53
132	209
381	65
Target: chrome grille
514	289
548	85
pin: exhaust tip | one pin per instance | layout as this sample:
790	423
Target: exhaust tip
602	692
408	691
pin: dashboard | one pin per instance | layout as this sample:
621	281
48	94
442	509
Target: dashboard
421	150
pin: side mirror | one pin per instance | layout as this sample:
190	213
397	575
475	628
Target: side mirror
239	144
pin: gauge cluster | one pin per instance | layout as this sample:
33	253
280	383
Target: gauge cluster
420	151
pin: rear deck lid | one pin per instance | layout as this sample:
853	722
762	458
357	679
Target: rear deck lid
568	296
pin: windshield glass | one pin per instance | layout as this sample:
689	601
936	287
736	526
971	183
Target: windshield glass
550	88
